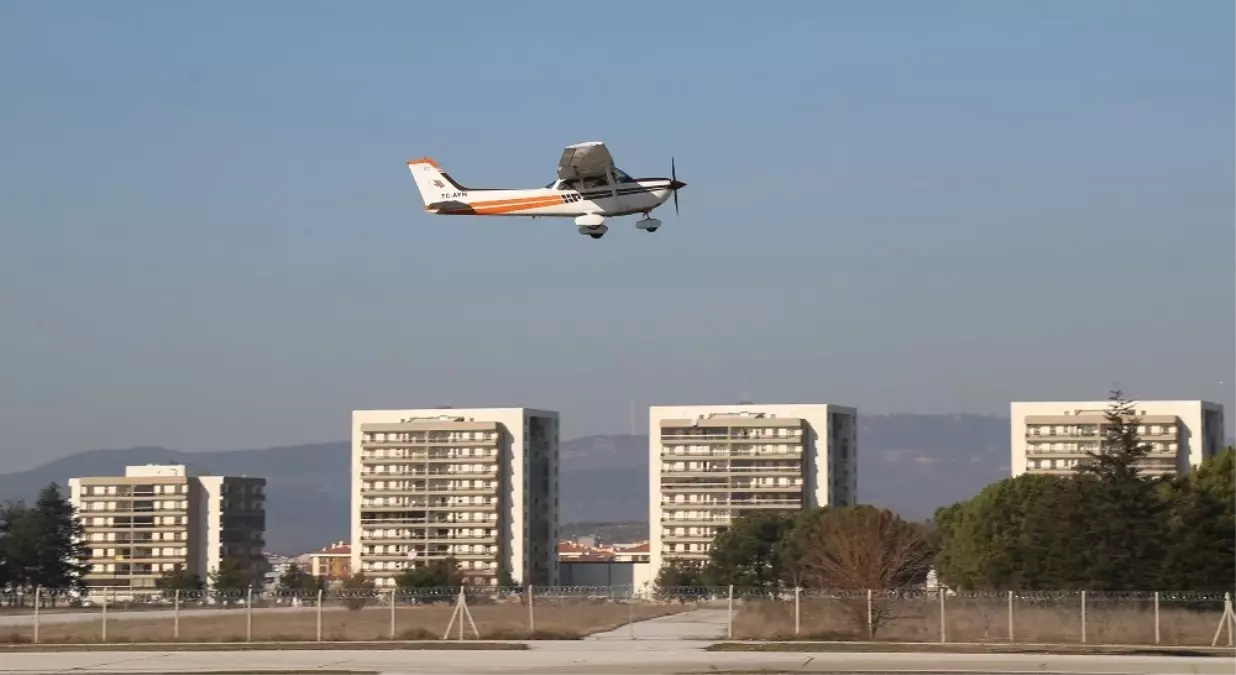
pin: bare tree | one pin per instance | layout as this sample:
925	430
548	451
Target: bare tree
864	548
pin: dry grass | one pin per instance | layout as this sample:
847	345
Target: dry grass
969	620
421	645
571	620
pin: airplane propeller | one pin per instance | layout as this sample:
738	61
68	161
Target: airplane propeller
675	184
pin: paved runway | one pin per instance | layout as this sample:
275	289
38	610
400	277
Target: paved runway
600	657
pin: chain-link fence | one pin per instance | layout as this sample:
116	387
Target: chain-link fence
127	616
1015	617
1011	617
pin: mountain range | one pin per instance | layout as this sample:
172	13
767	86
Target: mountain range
910	463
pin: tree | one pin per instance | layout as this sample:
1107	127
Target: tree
506	581
862	548
1123	538
179	580
61	559
679	579
790	548
232	578
1121	447
296	581
1004	536
358	591
1201	526
12	568
749	553
443	573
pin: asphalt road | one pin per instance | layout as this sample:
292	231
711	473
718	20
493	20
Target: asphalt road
601	657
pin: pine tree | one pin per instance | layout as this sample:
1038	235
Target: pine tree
1121	447
1124	540
61	558
8	571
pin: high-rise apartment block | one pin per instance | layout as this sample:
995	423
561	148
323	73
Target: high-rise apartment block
476	485
710	464
157	517
1053	437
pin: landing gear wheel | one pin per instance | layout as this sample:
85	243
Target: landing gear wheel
648	223
595	235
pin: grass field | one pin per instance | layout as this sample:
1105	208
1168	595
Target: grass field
566	621
1124	623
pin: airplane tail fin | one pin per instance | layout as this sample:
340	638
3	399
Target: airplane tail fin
434	185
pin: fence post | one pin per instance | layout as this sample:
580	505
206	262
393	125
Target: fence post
176	615
531	614
1083	617
943	635
38	600
1011	617
870	617
730	612
249	615
393	612
1156	617
319	613
797	609
104	636
631	612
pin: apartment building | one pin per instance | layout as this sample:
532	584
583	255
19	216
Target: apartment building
710	464
477	485
155	517
1053	437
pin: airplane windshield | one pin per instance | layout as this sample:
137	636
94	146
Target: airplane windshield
620	176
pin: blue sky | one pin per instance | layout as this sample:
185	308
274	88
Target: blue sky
211	241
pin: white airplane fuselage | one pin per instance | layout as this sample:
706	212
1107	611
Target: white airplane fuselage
620	199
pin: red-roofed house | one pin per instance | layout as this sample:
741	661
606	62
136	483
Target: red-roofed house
333	562
617	565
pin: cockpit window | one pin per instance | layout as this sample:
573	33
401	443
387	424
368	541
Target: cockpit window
621	176
591	182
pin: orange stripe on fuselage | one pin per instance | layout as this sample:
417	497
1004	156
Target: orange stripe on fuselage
500	206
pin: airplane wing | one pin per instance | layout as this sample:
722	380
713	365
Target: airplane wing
585	159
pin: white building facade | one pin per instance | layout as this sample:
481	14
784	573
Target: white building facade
156	517
709	464
479	485
1053	437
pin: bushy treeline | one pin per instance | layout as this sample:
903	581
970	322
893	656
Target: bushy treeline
1105	527
853	548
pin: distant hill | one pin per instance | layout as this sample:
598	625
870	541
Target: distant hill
910	463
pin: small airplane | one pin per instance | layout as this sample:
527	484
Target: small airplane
589	188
